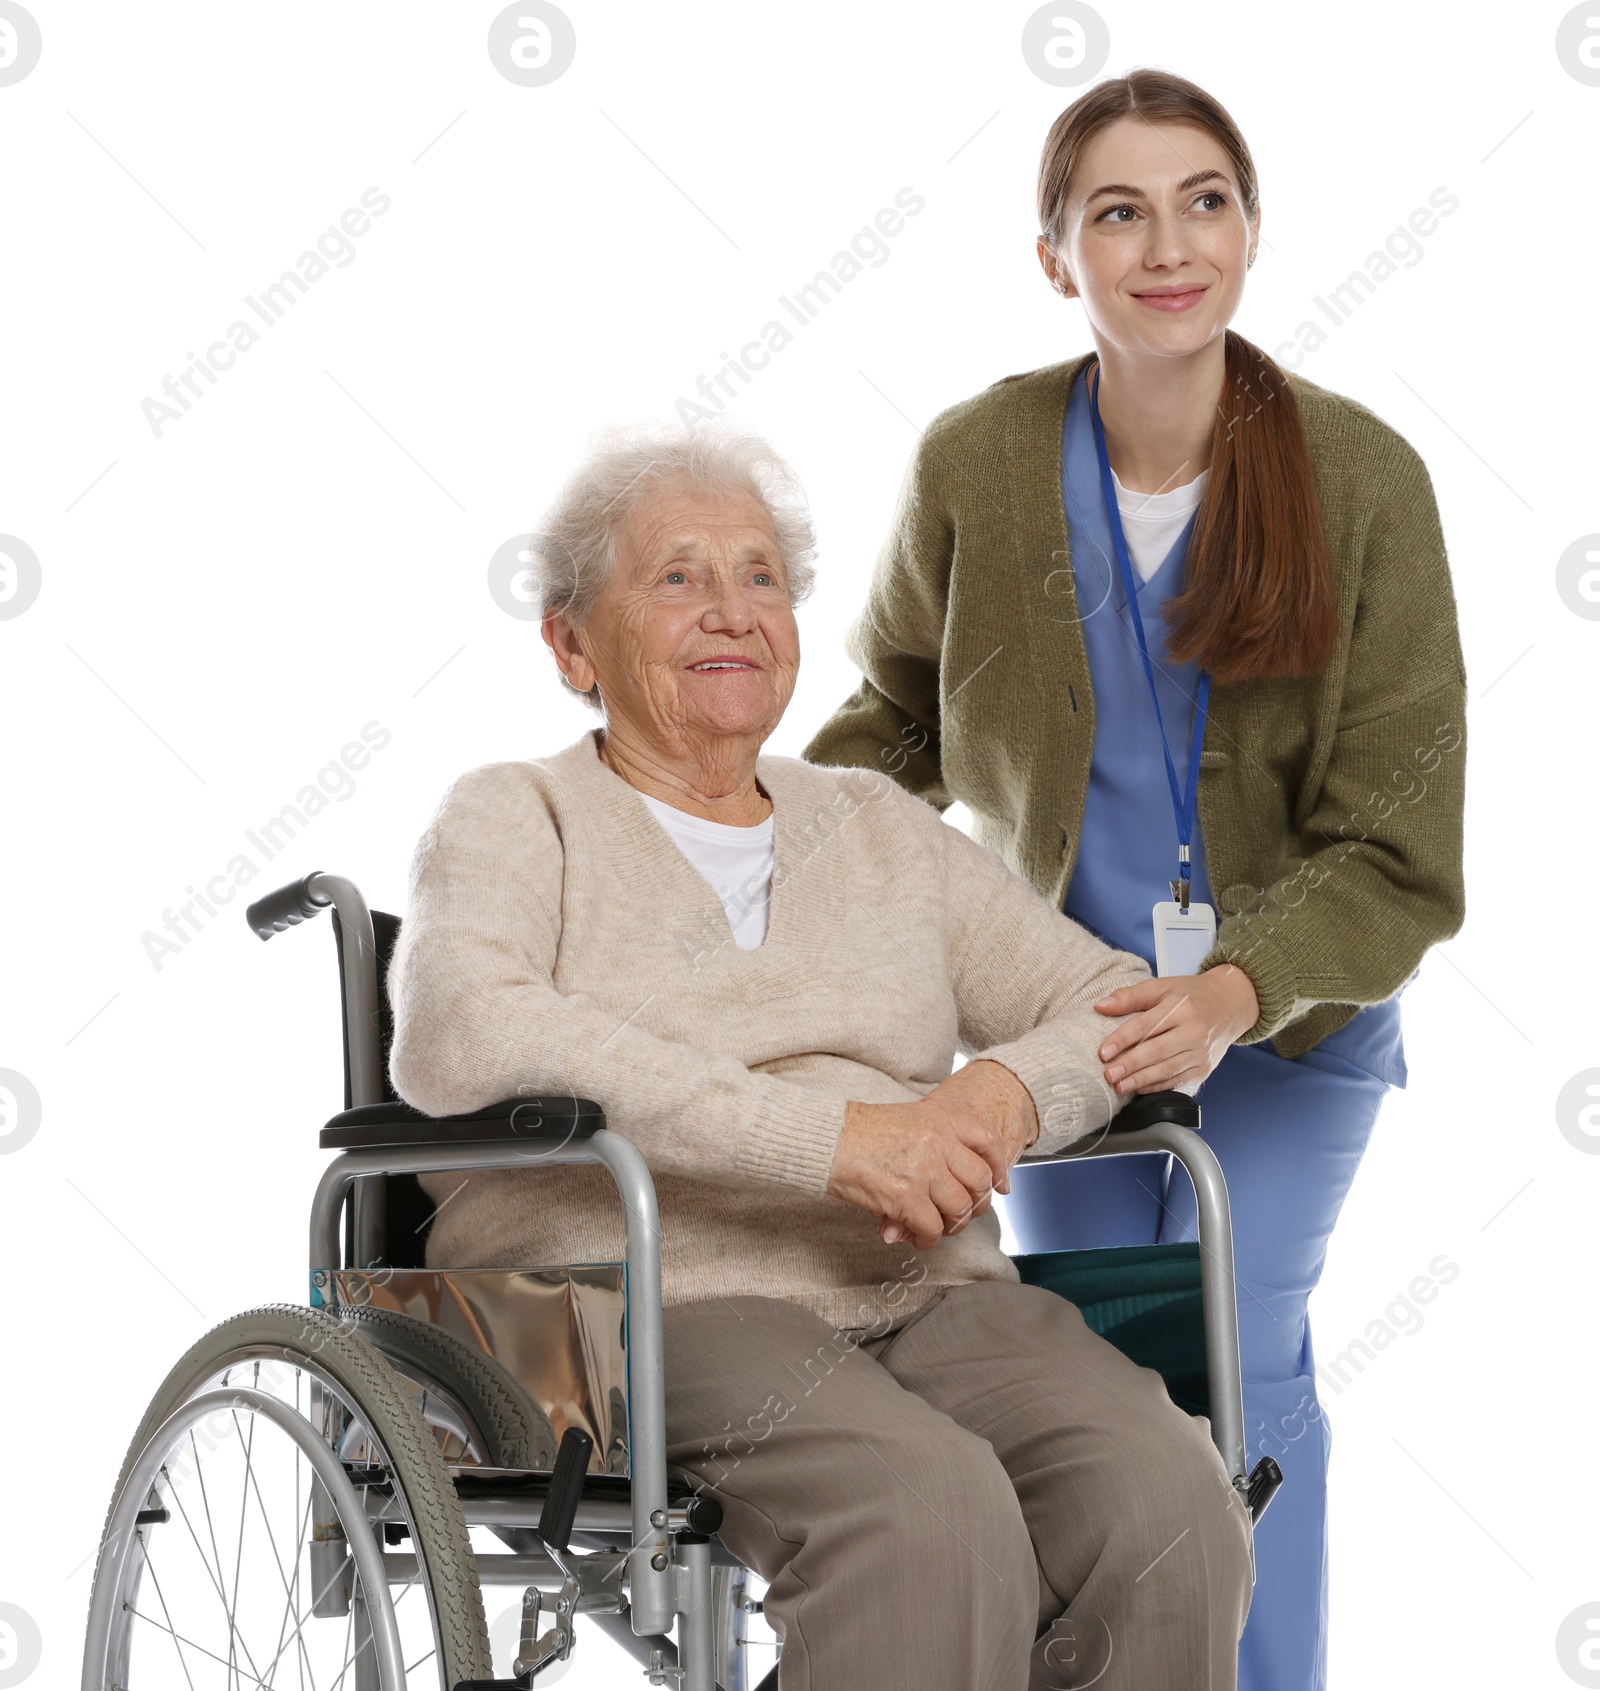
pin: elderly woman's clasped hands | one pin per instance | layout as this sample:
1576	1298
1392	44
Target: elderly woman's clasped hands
926	1168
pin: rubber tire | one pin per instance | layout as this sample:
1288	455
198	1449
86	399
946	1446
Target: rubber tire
516	1431
291	1333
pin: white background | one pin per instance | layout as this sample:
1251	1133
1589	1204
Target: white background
305	551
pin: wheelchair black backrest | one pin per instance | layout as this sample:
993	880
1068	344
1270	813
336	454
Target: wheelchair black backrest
407	1208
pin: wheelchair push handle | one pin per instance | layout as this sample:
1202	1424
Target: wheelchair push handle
287	907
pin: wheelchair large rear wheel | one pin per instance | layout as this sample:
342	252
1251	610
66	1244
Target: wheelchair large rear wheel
284	1517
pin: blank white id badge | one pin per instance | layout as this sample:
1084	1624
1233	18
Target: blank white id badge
1183	937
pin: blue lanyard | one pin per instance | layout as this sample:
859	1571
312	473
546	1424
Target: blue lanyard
1183	800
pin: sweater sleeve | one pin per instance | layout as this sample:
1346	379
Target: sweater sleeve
890	724
1383	842
478	1018
1026	978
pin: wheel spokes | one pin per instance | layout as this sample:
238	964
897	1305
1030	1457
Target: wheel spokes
232	1667
177	1643
236	1628
213	1569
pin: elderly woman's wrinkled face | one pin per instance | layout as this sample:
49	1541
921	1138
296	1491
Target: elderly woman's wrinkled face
693	638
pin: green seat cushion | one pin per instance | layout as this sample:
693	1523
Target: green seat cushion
1144	1299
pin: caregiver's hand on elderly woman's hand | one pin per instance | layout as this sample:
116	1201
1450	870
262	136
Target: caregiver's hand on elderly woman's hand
1181	1030
925	1168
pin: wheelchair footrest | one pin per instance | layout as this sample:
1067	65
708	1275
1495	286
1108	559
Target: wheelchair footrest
1262	1486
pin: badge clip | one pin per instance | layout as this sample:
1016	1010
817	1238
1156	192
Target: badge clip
1180	887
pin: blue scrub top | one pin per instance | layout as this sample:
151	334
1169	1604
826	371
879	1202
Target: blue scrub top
1128	843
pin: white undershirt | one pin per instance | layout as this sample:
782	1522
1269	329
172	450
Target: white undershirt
737	862
1152	522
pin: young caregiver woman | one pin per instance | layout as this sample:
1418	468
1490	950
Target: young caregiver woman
1253	778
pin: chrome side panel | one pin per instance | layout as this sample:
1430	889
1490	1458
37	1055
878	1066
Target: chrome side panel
560	1332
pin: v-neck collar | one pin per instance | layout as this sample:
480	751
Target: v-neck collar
643	851
1168	578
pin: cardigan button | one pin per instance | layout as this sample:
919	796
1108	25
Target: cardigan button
1233	899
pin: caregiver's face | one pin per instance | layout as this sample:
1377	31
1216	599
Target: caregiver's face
1156	239
693	637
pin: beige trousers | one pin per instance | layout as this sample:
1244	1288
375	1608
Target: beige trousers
988	1498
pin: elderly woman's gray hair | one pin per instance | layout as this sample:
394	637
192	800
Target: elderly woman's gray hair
576	547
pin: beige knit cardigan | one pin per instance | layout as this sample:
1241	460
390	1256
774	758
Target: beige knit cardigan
556	940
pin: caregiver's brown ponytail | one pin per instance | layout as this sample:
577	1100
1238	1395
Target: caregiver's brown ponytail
1258	598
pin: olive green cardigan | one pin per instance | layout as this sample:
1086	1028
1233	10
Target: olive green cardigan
1330	805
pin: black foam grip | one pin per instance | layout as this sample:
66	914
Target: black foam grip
1145	1109
566	1487
285	908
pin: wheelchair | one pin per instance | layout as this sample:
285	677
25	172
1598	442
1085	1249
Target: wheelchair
299	1504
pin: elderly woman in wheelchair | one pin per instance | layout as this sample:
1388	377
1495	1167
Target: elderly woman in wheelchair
763	971
731	987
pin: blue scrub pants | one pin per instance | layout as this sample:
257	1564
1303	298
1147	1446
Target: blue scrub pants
1289	1136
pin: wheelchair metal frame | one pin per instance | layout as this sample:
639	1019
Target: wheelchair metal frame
669	1561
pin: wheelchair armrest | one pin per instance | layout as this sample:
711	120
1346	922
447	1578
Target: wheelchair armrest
1145	1109
534	1122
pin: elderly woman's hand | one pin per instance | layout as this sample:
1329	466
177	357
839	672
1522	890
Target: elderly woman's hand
924	1169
